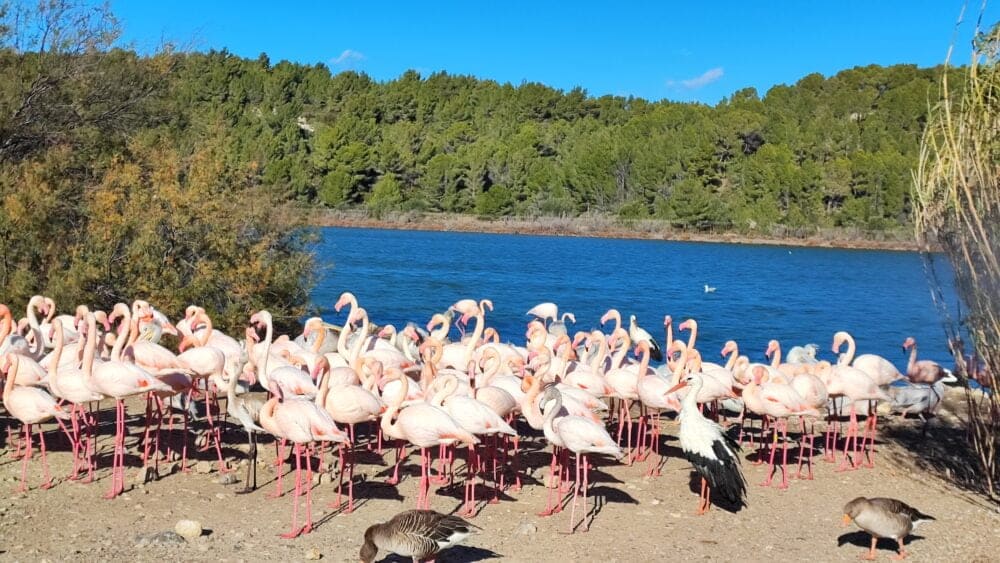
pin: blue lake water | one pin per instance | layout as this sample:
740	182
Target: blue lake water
796	295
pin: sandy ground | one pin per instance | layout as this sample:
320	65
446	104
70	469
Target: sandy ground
639	518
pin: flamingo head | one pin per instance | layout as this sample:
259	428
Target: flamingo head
772	347
386	331
102	317
526	382
345	298
251	335
688	324
313	323
838	340
909	343
322	365
612	313
50	306
729	348
667	320
759	374
641	347
191	310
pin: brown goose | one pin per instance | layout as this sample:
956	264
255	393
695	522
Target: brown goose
420	534
884	518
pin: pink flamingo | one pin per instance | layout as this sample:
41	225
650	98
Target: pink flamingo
921	371
350	405
581	436
118	380
855	385
31	406
68	384
302	422
475	417
653	394
424	426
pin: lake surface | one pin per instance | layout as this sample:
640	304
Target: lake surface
796	295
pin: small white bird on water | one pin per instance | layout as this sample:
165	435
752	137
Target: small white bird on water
709	289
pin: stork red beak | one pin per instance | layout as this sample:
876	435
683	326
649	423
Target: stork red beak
680	385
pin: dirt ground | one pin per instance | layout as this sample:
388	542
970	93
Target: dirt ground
639	518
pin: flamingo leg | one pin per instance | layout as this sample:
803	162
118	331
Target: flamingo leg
770	465
852	434
295	531
47	478
213	430
307	527
25	459
784	453
576	490
278	466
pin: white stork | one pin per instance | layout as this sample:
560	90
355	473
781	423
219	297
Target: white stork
637	334
710	451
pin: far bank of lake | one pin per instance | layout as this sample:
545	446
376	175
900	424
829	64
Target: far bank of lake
610	227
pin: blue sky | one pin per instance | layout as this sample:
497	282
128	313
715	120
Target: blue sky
696	51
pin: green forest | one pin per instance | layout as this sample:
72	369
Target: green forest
832	151
185	173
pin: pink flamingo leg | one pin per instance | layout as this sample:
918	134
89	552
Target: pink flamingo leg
24	460
555	473
279	463
852	434
47	482
770	465
307	527
576	491
295	531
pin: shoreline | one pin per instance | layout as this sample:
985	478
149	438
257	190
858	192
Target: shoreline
586	228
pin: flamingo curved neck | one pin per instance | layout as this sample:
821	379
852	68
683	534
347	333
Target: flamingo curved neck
389	427
124	329
911	366
848	356
91	348
776	358
57	349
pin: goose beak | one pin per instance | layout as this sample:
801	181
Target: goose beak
680	385
847	520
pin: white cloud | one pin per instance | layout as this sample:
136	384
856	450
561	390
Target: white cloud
706	78
347	57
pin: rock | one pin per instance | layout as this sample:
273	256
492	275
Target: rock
145	475
161	538
527	529
203	467
313	554
220	496
655	501
227	479
188	529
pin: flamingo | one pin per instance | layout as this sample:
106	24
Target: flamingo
31	406
302	422
423	425
581	436
292	381
652	390
68	384
856	385
921	371
710	451
547	311
350	405
117	380
475	417
881	370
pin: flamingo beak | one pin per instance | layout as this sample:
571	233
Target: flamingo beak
680	385
846	520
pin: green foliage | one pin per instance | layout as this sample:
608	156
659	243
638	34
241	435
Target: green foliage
125	177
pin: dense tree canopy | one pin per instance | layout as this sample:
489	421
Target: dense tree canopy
823	152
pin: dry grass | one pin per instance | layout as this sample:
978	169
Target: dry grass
957	203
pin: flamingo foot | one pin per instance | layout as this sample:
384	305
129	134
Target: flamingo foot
868	557
899	556
292	534
46	485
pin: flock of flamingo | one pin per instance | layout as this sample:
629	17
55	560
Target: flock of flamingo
336	392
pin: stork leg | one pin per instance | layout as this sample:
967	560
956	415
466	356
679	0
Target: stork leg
704	498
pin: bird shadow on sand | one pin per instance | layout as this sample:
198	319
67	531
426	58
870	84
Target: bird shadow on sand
863	539
457	554
694	485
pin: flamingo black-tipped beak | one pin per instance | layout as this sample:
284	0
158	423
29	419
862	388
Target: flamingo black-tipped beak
680	385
